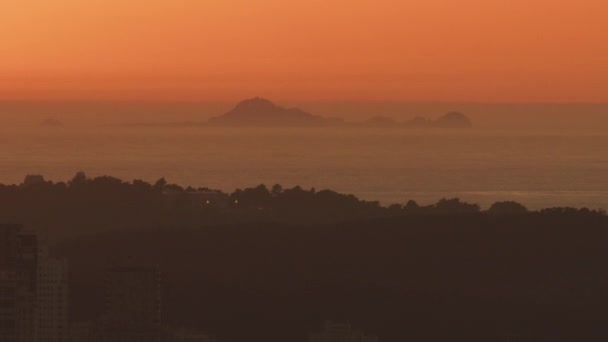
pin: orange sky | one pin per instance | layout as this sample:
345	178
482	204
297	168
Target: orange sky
397	50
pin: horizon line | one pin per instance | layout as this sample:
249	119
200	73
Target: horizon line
315	101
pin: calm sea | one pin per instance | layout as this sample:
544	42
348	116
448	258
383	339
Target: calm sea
388	165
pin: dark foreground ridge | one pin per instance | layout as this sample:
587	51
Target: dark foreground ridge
477	278
273	264
91	205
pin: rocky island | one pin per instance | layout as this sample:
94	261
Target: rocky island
262	112
259	112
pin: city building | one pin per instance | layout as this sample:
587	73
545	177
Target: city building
18	280
132	305
8	282
85	331
52	320
341	332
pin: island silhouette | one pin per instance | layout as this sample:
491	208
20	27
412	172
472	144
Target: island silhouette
453	120
260	112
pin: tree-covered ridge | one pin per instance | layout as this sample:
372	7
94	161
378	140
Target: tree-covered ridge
87	205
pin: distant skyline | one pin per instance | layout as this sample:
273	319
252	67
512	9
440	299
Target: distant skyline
313	50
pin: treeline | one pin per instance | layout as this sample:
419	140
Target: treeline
87	205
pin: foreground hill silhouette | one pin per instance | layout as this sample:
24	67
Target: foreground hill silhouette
84	206
477	277
262	264
262	112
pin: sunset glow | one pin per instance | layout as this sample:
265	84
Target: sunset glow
466	50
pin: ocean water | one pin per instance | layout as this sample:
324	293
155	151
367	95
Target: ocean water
387	165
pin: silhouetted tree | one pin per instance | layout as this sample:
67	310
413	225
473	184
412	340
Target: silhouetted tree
507	208
79	179
277	189
411	206
395	208
160	184
257	197
454	206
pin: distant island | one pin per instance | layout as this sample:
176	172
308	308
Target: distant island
259	112
262	112
453	120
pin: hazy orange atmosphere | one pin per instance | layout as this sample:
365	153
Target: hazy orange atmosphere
204	50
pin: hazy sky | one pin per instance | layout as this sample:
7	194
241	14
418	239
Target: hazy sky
399	50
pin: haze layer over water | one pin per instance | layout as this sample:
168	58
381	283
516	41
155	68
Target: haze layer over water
388	165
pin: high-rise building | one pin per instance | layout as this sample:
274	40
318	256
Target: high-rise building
132	305
341	332
18	279
52	319
8	282
8	305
